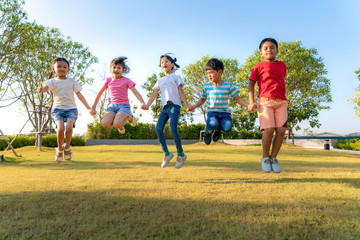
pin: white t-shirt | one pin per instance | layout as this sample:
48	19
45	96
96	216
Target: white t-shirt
168	87
63	90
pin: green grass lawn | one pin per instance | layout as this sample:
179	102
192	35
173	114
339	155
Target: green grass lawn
121	192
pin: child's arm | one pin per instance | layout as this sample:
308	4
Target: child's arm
200	102
251	90
97	99
82	99
139	97
182	96
42	89
241	101
152	98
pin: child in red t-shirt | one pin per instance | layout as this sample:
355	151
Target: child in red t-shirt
272	103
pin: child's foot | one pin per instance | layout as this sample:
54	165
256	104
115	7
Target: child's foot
58	155
67	152
166	160
121	130
132	121
180	161
216	135
275	165
207	138
266	164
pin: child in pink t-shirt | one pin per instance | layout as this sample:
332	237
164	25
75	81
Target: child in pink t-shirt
272	105
118	110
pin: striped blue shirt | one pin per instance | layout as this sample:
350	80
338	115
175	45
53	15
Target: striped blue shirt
218	97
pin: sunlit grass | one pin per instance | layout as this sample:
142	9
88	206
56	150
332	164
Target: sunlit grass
120	192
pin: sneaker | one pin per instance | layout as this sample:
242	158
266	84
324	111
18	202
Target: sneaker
180	161
122	130
275	165
266	164
132	121
216	135
207	138
166	160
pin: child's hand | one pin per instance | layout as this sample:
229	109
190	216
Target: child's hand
39	89
92	111
144	107
191	108
252	106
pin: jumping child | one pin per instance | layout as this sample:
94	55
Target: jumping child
171	88
64	108
272	103
118	110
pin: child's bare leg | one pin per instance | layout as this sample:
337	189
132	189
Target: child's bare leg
108	120
120	120
266	141
278	141
69	132
60	134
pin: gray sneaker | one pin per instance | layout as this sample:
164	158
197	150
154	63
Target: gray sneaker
166	160
275	165
266	164
180	161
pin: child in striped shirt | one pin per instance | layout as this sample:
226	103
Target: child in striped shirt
217	93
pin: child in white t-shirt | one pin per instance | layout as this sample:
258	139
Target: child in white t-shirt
64	107
171	88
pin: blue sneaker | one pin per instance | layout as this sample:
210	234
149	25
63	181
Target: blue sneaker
275	165
207	138
266	164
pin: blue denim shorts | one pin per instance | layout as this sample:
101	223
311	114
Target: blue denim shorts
63	114
118	108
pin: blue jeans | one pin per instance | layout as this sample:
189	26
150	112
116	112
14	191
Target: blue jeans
218	120
172	112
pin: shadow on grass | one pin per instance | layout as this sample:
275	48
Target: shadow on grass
116	215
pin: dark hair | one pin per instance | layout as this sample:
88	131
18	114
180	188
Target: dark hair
268	40
58	59
172	60
214	64
120	61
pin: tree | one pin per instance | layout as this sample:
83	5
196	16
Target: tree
156	106
307	88
195	77
11	18
33	66
356	99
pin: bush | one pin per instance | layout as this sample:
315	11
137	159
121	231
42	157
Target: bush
20	141
349	144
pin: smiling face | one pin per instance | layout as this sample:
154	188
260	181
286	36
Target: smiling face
61	68
269	51
214	76
166	65
117	70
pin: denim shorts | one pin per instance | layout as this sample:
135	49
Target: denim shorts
118	108
63	114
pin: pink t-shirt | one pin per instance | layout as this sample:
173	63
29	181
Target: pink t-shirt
118	89
270	78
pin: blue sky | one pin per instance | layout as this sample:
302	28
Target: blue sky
143	30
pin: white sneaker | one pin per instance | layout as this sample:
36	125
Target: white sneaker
275	165
266	164
180	161
122	130
166	160
132	121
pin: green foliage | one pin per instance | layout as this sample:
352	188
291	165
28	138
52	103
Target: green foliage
307	88
195	77
356	99
19	142
349	144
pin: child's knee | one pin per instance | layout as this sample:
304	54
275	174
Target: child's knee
212	123
227	126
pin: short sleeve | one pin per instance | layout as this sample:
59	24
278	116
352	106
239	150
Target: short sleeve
156	86
131	83
50	84
234	91
77	87
179	80
203	93
106	84
254	73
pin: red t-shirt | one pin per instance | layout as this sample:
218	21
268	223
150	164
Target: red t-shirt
270	78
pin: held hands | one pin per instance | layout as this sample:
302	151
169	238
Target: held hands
92	111
40	89
144	107
190	108
252	106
